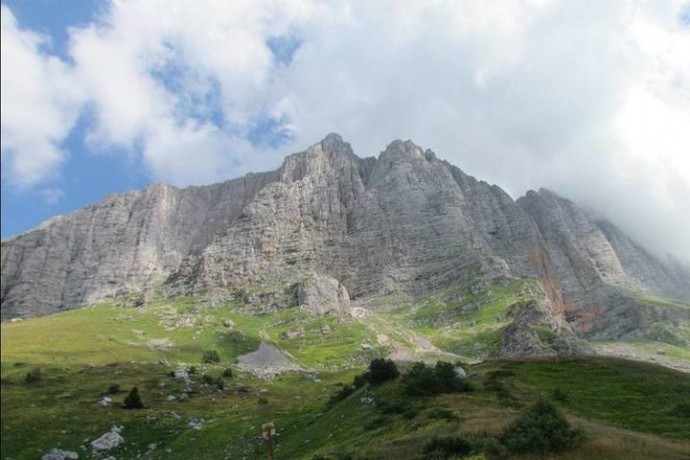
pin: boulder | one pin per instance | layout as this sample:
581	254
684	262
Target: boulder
59	454
322	294
109	440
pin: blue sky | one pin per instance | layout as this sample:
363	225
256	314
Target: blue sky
100	97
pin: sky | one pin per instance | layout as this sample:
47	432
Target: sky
589	99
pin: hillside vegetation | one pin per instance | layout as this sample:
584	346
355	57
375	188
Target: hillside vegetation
57	371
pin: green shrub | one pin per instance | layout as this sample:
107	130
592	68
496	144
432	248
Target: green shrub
559	395
207	379
34	375
382	370
424	380
446	448
210	357
114	389
191	371
227	372
490	447
681	410
359	381
133	400
342	394
540	429
402	407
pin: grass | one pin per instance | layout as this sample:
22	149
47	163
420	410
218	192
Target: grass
464	318
628	409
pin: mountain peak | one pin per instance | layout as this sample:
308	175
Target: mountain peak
399	149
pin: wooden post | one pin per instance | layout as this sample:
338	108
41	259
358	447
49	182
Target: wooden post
269	430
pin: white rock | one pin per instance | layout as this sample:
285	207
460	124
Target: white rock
59	454
181	374
460	372
196	423
366	401
109	440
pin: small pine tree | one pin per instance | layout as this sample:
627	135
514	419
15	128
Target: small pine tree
133	400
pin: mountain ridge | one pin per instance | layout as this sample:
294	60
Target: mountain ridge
404	224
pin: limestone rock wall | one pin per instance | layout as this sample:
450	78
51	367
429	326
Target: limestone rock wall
405	222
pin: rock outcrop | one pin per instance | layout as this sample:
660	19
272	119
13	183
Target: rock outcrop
322	294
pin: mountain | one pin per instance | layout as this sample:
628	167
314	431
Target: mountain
343	231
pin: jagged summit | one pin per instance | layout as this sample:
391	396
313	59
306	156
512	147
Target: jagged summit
401	226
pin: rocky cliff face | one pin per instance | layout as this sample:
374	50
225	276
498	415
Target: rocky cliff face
405	223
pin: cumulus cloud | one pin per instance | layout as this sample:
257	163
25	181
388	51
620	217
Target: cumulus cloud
38	107
593	102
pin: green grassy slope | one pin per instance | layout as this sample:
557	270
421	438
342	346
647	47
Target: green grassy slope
628	409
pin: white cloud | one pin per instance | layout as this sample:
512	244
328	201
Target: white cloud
592	102
38	107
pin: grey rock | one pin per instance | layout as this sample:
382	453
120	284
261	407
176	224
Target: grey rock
292	334
59	454
108	441
460	372
323	294
266	362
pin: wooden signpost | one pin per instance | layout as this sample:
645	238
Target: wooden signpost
269	430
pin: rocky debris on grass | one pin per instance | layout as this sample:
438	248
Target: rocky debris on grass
196	423
163	362
109	440
313	376
367	401
185	321
359	312
160	344
59	454
181	374
106	401
266	362
292	334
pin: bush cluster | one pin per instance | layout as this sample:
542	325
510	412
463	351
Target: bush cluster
380	371
212	381
423	380
447	447
210	357
539	429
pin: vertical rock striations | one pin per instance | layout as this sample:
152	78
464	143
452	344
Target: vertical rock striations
402	225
